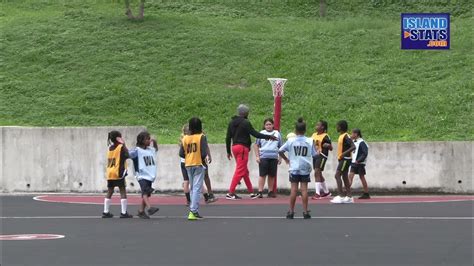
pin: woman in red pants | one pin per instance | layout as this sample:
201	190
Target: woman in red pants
238	133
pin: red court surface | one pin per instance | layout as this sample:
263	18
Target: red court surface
180	200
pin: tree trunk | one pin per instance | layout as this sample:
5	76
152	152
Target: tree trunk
129	12
322	8
141	11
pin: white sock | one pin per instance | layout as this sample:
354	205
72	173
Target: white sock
318	188
123	204
106	205
324	187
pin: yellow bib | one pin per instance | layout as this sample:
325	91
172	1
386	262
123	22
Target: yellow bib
340	145
318	140
192	150
113	163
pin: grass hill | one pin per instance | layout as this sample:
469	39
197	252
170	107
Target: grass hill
82	63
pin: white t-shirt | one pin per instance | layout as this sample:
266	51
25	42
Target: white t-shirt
144	161
300	153
269	148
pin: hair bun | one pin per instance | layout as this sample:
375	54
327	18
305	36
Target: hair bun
300	120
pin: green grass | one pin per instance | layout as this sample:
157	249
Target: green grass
82	63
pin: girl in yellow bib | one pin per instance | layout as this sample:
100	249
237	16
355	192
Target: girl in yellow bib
116	173
323	145
345	146
194	152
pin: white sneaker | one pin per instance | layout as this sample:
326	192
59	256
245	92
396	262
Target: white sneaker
337	199
347	199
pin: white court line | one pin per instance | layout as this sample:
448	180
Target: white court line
258	217
40	198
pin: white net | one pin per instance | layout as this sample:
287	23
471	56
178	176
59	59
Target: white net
278	84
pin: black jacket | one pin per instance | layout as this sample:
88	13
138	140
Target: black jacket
239	131
361	151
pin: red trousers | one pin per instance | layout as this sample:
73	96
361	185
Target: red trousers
241	155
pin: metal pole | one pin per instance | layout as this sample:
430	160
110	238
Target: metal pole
277	118
277	112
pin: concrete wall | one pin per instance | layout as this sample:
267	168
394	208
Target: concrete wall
55	159
59	159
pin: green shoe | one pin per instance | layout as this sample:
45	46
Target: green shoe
194	216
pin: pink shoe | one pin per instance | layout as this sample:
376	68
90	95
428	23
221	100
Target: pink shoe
316	197
326	195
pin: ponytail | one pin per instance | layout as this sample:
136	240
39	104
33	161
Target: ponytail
300	126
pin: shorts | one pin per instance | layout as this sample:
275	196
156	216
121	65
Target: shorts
319	162
116	183
358	169
300	178
343	165
268	167
145	186
184	172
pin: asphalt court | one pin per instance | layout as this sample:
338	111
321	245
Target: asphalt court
408	230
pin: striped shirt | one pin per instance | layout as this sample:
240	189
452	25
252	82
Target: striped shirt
269	148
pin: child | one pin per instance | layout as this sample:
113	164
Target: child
144	160
359	157
208	195
185	131
116	173
301	152
266	153
323	144
290	136
344	148
194	150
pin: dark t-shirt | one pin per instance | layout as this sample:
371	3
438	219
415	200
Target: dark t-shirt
346	144
239	131
325	151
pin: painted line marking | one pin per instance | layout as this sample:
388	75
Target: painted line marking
30	237
43	198
255	217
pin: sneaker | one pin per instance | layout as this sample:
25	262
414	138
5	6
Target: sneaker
326	195
126	215
193	216
272	194
316	197
153	210
290	215
107	215
254	196
337	200
211	199
260	195
365	196
347	199
232	196
143	215
306	215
